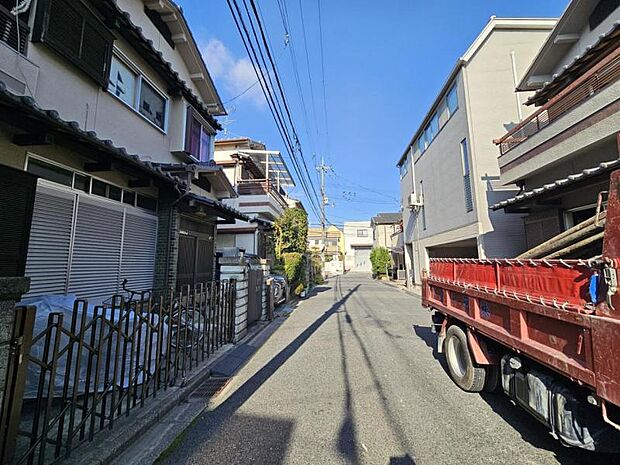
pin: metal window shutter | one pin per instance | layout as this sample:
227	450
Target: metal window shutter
139	246
50	240
95	262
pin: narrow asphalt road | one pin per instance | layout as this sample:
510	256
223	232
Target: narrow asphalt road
351	378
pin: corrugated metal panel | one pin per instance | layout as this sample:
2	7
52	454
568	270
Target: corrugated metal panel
139	244
50	239
95	262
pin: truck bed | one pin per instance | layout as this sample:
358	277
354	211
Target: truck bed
545	309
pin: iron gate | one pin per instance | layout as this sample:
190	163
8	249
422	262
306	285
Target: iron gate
88	366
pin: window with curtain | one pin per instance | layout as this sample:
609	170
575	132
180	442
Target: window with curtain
199	138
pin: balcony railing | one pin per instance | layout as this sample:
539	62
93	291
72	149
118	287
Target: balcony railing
261	187
12	32
587	85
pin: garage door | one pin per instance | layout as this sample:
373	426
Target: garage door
85	246
362	259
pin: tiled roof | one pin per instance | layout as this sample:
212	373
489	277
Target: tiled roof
219	206
387	218
573	178
52	119
576	66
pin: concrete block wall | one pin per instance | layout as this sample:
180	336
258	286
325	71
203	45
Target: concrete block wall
237	268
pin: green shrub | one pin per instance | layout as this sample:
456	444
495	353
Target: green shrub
380	259
294	268
299	289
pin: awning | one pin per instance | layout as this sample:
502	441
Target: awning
571	180
198	173
200	204
273	163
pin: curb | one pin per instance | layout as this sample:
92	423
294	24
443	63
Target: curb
402	289
107	447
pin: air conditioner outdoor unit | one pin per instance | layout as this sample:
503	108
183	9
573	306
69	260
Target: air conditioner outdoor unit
415	201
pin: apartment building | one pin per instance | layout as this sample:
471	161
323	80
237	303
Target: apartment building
562	154
449	174
358	243
260	178
110	105
334	241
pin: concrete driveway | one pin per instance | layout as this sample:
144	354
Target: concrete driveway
351	378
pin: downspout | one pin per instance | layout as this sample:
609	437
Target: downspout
169	241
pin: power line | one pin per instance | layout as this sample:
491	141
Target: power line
323	79
266	83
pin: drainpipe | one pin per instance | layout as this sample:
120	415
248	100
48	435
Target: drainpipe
174	204
516	82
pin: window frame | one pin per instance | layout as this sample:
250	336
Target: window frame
41	34
452	91
191	114
91	178
363	231
140	78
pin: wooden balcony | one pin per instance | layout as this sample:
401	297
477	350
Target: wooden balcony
590	83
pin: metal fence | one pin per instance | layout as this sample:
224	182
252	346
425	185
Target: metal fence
91	365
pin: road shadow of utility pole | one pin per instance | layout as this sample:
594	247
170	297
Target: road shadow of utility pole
347	435
205	432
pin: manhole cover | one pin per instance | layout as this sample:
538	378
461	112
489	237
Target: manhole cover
211	387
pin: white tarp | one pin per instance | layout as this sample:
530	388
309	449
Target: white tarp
64	304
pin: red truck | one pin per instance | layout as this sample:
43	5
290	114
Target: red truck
546	332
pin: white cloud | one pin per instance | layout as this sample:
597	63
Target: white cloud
234	74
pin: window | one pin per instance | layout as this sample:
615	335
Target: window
404	166
73	31
123	82
469	203
452	100
89	185
362	233
133	89
421	145
199	137
434	125
50	172
152	104
422	210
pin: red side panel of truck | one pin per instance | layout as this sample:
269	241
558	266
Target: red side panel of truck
542	308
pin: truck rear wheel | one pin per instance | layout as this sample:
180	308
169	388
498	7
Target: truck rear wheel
463	372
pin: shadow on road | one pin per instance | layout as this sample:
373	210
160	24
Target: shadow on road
347	432
202	441
527	426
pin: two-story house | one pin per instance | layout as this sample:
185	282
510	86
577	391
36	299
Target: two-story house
260	178
387	233
562	154
110	105
333	246
357	246
448	172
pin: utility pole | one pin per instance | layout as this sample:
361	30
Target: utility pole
322	169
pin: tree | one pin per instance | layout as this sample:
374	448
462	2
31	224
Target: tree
291	232
380	259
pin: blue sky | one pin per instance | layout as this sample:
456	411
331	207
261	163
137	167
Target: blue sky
384	64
